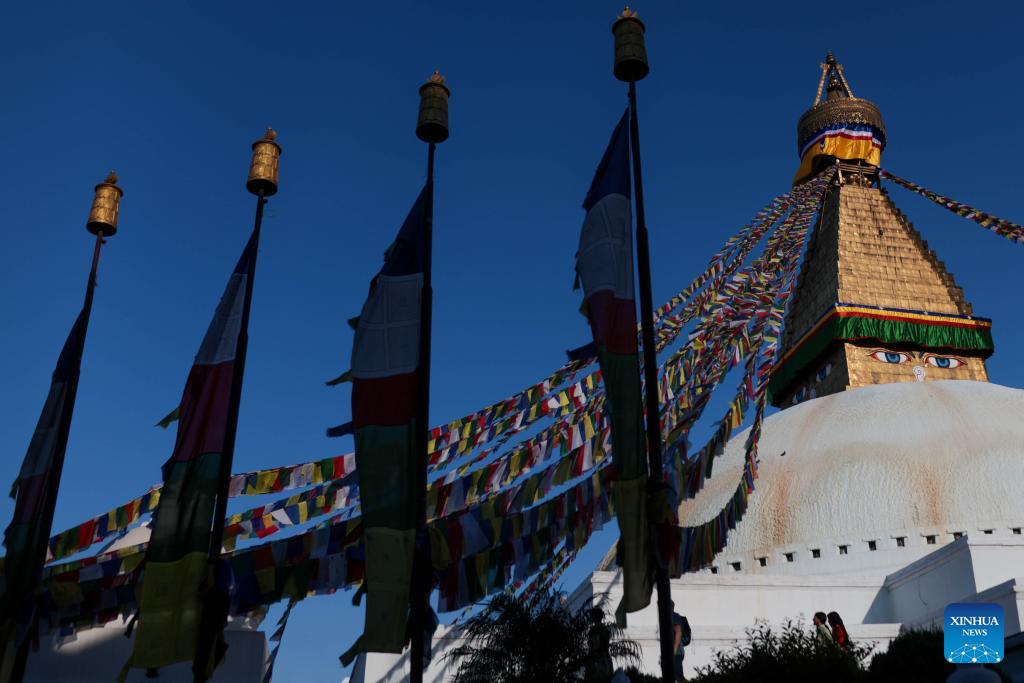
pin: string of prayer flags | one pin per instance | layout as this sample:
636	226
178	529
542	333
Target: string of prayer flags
255	483
1011	231
78	538
694	547
483	561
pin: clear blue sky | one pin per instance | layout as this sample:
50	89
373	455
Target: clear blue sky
171	95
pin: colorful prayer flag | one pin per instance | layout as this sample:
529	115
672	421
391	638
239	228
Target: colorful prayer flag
385	389
604	264
178	567
35	490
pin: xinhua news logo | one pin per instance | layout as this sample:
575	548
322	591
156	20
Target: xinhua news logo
973	633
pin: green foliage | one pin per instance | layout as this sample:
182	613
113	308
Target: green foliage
913	655
788	653
792	654
511	641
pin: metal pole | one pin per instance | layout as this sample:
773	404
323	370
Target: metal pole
654	465
420	589
53	485
212	599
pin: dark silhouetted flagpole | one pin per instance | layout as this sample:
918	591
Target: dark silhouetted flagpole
102	223
262	182
631	66
431	128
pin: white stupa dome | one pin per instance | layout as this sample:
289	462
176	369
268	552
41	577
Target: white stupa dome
908	465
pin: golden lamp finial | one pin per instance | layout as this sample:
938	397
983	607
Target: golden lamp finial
106	203
432	125
630	52
264	165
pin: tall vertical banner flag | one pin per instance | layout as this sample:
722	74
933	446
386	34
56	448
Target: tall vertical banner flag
177	564
385	381
604	264
34	491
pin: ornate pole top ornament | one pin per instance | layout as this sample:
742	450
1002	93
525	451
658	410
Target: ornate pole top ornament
630	52
432	125
106	204
264	165
435	79
628	14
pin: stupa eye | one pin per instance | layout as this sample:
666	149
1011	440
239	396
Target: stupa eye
894	357
944	362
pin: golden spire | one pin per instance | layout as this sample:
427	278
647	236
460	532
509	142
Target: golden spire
833	71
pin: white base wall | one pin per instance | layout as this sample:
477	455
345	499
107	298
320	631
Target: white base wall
98	654
721	606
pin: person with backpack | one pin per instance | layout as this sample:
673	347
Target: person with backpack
681	638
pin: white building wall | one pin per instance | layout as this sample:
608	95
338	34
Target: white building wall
97	654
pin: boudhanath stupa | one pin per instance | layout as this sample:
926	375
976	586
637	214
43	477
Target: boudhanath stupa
889	481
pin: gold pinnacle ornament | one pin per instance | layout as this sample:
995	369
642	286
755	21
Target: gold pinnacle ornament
105	206
630	53
263	168
432	125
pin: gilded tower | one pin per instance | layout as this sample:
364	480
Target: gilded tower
873	304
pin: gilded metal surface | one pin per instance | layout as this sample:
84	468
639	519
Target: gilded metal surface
432	124
839	110
630	52
263	168
840	106
105	206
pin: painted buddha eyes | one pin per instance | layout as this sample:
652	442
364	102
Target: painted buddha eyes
944	362
823	372
890	356
901	357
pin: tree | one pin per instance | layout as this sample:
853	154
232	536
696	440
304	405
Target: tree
789	653
912	655
792	654
512	641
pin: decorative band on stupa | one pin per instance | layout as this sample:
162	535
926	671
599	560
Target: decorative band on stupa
858	322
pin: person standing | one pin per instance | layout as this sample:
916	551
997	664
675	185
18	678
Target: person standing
599	641
680	639
822	634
